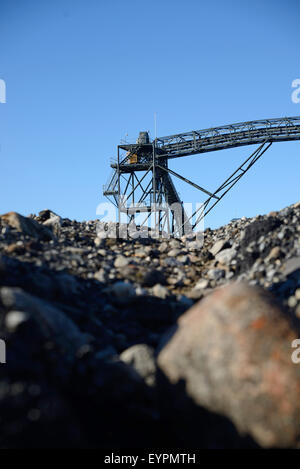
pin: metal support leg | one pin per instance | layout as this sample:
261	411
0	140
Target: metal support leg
231	181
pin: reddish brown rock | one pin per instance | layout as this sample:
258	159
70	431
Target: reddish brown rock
233	351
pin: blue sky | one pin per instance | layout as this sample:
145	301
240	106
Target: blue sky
81	74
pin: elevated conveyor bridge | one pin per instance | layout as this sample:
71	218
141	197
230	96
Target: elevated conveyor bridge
141	181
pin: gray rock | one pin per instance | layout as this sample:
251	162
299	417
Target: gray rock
274	253
174	244
216	274
27	226
163	247
226	255
98	241
122	291
121	261
183	259
291	265
54	324
141	358
292	301
47	214
173	252
195	245
160	291
140	253
101	275
201	284
14	319
218	246
54	222
171	262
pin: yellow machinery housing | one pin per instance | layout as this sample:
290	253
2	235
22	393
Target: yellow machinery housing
133	158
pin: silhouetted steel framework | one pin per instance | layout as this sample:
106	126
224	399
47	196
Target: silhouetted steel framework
154	194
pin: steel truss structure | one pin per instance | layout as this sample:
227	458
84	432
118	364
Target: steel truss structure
141	185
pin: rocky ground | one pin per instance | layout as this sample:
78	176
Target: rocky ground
130	342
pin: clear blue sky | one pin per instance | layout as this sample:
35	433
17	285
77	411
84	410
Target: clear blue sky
80	74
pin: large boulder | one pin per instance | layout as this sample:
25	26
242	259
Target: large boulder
61	387
27	226
230	354
54	325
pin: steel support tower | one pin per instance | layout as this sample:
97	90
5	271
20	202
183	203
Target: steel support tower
141	185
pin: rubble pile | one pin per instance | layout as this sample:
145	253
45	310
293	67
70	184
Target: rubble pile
114	342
